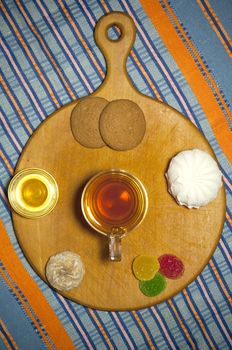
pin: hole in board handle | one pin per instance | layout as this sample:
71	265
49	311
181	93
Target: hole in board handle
114	33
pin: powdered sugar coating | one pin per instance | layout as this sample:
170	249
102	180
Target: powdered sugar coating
194	178
65	270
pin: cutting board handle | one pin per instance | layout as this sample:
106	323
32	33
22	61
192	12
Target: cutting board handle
115	51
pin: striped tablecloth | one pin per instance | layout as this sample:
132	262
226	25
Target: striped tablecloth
48	57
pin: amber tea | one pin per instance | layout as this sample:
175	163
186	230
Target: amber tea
114	202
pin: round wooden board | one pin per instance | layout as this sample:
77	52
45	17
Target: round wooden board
192	235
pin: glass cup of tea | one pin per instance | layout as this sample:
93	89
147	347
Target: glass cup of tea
114	203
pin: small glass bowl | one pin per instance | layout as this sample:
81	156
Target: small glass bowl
16	198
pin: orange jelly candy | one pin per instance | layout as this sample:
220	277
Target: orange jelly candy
145	267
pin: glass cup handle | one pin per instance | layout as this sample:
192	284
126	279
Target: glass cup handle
115	243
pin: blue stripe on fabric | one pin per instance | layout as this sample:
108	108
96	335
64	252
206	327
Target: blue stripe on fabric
222	250
135	332
222	9
195	304
85	39
69	48
13	132
151	319
155	63
225	241
94	322
2	345
135	65
160	70
210	308
227	176
124	325
191	110
198	63
42	49
3	188
178	325
186	324
7	337
146	70
98	316
29	307
167	68
72	322
18	103
222	261
4	167
138	327
222	271
2	197
186	102
81	315
193	318
8	159
159	326
114	334
17	320
50	51
22	85
215	333
215	290
45	66
29	61
216	25
225	269
151	92
230	213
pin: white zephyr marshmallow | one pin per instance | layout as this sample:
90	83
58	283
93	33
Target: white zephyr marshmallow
65	270
194	178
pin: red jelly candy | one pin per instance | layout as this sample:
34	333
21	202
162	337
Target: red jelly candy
171	266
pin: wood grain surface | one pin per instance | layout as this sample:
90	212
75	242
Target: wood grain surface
192	235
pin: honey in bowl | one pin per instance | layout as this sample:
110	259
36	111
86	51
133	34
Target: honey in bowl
33	192
114	199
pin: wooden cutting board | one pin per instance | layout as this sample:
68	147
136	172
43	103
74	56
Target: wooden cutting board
192	235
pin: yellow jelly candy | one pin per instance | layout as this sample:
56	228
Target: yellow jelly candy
145	267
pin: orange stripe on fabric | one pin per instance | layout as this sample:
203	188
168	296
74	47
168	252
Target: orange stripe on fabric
101	329
45	49
182	324
9	335
195	52
15	103
33	294
5	341
220	281
146	75
218	21
6	162
197	317
213	25
41	76
219	24
152	86
80	37
229	219
151	345
192	74
26	308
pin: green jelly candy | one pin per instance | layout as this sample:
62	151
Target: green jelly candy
154	286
